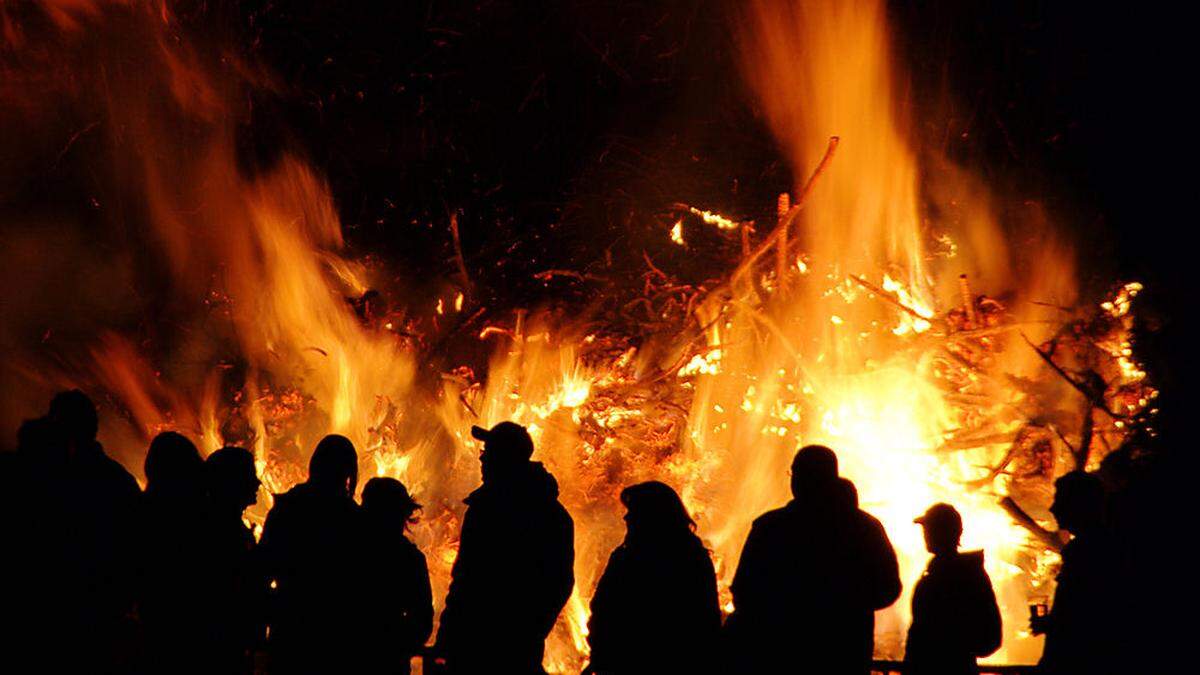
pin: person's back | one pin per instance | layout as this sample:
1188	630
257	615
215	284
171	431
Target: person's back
398	617
236	580
513	574
308	546
97	505
1083	630
34	565
655	609
955	616
174	599
810	578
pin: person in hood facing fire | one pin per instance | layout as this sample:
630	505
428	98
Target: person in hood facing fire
810	578
658	591
955	616
308	548
514	570
175	599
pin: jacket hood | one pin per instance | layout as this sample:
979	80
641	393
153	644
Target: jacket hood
533	482
964	561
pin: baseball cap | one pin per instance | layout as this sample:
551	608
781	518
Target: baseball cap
941	515
506	437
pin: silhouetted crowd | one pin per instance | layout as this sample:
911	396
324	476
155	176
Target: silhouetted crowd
103	577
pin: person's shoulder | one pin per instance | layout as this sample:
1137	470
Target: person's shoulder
410	549
288	501
563	514
117	475
619	555
869	522
773	518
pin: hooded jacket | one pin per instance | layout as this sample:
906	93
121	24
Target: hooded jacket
309	547
513	574
655	609
955	617
810	578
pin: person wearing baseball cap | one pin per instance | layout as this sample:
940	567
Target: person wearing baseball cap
515	566
955	616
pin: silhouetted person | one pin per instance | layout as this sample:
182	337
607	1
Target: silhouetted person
655	609
174	599
955	617
238	584
398	616
1083	627
309	545
513	574
94	502
32	538
810	578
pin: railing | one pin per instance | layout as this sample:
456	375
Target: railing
897	668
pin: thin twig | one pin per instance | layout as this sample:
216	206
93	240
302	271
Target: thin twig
458	254
786	222
887	296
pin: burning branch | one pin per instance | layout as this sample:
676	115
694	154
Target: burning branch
786	221
458	254
1026	521
885	295
1092	398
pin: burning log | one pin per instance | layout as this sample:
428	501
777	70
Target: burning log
968	302
1050	539
886	296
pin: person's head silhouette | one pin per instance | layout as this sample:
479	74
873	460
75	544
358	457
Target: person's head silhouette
943	528
848	493
1078	502
655	512
334	465
814	471
507	448
173	467
42	443
75	415
232	479
387	500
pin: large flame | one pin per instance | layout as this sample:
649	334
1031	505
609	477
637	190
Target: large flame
266	337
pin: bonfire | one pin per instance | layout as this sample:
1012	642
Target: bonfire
939	359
